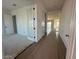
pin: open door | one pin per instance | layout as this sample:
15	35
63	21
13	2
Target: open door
45	24
14	24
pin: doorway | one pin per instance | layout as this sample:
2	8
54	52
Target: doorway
49	27
45	24
14	24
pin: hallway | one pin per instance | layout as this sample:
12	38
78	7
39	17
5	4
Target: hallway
46	48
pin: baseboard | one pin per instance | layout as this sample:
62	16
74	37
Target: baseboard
61	48
61	41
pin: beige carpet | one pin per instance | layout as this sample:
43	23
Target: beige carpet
46	48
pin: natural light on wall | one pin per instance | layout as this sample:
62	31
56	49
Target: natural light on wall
56	24
49	27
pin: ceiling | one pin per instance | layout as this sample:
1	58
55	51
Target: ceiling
8	4
53	4
49	4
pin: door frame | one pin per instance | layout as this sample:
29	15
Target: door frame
45	23
15	31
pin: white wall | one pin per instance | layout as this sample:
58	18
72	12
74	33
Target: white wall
40	19
66	26
7	23
65	20
22	19
25	23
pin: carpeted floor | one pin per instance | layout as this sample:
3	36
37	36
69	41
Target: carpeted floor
46	48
